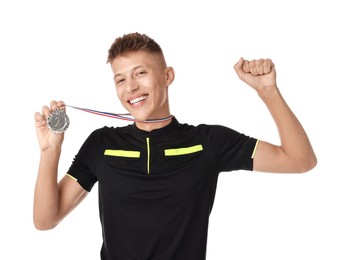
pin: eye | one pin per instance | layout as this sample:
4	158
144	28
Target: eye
119	81
140	73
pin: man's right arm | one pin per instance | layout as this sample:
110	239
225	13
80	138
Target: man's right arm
53	200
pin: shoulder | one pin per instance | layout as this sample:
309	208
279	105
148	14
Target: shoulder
98	135
209	129
209	133
110	131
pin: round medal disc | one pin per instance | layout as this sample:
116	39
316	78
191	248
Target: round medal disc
58	121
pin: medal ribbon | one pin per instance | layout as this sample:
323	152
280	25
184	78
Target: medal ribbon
126	116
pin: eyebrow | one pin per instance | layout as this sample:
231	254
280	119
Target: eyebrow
133	69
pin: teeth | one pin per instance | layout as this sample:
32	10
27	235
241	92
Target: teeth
138	99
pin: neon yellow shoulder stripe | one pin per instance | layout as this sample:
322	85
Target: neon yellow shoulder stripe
72	177
184	150
122	153
254	150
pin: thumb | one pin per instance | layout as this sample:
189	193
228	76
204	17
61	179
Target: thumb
239	68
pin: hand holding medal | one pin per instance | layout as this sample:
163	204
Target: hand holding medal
50	123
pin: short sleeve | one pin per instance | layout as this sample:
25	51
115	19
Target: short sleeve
230	149
82	168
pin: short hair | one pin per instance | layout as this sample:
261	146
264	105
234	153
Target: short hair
132	42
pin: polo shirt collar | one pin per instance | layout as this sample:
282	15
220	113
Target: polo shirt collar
161	131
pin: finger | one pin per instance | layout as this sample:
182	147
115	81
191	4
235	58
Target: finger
239	68
45	111
259	66
252	67
239	64
53	105
246	67
267	66
61	105
39	119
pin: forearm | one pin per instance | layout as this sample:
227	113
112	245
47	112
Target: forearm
295	143
46	196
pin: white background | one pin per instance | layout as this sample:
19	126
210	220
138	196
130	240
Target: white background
58	49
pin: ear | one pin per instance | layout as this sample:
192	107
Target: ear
169	75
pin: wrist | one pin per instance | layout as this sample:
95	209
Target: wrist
268	93
52	150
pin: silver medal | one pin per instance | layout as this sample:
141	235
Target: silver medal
58	121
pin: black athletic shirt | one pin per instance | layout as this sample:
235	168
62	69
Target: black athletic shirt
156	189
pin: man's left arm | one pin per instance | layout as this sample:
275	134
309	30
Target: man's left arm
295	153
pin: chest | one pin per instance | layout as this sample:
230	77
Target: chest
152	165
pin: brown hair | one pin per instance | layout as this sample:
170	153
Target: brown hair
132	42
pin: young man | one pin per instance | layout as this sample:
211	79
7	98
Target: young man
157	179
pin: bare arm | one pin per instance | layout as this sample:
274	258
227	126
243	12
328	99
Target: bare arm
52	200
295	153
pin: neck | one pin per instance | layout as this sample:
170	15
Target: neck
147	126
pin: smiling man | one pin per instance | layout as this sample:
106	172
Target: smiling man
157	177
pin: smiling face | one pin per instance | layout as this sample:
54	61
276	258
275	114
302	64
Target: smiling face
142	79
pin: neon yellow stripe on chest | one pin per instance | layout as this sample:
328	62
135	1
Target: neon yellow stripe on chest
183	150
122	153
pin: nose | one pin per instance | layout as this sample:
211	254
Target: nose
132	85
